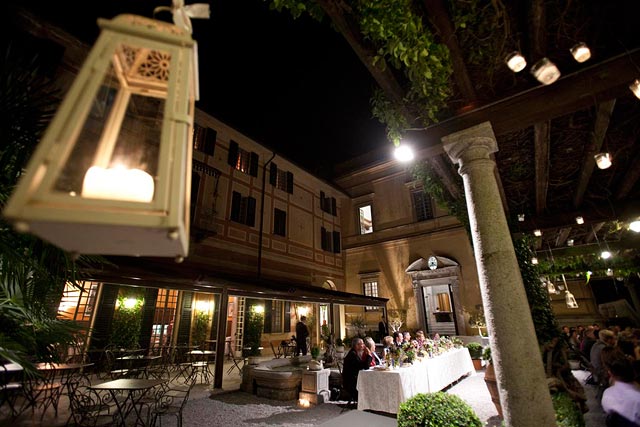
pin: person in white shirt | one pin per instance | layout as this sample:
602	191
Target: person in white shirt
622	397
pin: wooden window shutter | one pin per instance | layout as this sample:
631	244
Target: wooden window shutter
323	238
251	211
195	188
209	141
104	317
232	159
267	316
236	200
273	174
289	183
253	165
287	317
336	242
148	314
184	329
322	200
333	206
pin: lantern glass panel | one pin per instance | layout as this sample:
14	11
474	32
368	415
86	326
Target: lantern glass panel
118	147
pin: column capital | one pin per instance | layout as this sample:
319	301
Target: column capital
480	136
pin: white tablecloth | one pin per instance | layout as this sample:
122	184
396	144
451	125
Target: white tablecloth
386	390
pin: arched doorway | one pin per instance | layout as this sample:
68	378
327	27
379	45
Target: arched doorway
436	289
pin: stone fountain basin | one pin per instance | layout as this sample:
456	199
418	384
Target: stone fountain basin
280	379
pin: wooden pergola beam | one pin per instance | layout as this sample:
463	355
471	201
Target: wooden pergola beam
630	178
603	117
542	137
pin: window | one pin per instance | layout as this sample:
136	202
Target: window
327	204
78	301
366	220
279	222
164	317
243	209
330	240
277	312
204	139
280	179
242	160
422	205
370	289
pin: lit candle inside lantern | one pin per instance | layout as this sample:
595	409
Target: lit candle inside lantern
118	183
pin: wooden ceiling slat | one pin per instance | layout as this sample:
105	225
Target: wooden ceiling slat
603	117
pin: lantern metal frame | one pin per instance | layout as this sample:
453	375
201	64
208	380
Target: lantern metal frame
107	226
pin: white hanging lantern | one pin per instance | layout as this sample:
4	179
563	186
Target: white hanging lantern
112	173
569	299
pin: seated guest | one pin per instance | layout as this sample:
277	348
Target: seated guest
606	338
371	345
397	338
406	337
357	359
387	343
622	397
420	338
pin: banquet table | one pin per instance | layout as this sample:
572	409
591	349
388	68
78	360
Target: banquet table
385	390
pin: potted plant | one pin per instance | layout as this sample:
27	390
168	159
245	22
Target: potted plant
254	324
315	364
475	351
490	380
339	345
437	409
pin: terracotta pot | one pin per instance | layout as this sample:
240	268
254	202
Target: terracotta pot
492	385
477	364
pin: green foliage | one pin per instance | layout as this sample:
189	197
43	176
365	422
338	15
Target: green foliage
568	413
580	264
127	322
544	321
298	7
475	350
486	354
315	352
437	410
253	326
390	114
202	321
339	341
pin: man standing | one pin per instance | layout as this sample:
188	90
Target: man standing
302	332
382	329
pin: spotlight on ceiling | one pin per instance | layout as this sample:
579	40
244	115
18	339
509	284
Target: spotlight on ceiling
403	153
570	242
609	272
515	61
635	88
603	160
635	226
581	52
537	232
521	217
534	261
605	255
579	220
545	71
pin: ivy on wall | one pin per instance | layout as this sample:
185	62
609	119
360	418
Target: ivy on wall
127	321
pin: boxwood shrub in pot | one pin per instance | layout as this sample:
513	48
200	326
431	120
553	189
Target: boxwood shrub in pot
475	350
437	410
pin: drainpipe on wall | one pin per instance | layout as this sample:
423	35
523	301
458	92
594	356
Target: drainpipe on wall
264	183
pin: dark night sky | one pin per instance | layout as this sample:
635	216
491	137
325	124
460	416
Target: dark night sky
292	85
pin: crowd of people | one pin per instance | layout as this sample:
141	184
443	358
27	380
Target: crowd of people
613	357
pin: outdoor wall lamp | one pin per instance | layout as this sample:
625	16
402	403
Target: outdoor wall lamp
545	71
112	173
603	160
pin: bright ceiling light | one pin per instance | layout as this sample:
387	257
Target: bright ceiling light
581	52
635	88
521	217
603	160
534	261
579	220
609	272
403	153
545	71
570	242
537	232
605	255
635	226
515	61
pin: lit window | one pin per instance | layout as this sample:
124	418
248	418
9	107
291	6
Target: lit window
366	220
370	289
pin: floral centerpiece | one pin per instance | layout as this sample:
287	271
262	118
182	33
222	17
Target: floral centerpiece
394	356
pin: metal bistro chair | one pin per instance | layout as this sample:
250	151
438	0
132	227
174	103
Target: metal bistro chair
171	403
9	391
88	407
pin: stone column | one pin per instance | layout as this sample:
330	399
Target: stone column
524	394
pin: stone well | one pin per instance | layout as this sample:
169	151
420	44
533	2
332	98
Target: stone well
278	379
